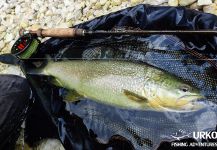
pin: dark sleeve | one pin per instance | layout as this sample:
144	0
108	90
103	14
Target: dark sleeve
14	100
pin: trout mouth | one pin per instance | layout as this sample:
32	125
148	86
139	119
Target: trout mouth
189	102
189	99
197	96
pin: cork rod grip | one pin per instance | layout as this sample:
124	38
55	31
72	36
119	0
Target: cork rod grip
59	32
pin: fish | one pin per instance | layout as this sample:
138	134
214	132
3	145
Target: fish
124	84
48	143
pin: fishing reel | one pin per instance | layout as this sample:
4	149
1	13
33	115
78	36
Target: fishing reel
28	43
26	46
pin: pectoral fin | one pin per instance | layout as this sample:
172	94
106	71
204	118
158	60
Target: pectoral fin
72	96
56	82
134	96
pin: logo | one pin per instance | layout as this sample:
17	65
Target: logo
181	134
205	135
181	137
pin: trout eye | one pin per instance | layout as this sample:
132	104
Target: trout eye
185	88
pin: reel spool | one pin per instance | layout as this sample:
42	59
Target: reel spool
25	46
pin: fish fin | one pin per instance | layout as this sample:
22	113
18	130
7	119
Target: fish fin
72	96
56	82
134	96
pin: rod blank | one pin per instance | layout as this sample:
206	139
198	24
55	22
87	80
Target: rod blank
73	32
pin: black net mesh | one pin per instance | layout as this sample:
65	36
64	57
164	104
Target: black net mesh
91	125
147	129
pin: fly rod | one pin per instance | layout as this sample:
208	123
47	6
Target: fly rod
74	32
28	44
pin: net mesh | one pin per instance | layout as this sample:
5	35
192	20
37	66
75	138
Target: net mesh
146	129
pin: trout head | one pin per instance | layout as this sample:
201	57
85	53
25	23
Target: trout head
175	94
